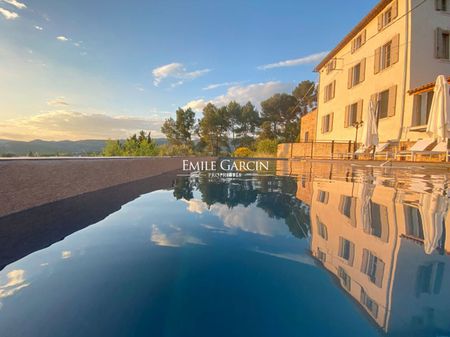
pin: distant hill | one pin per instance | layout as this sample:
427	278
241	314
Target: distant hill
13	148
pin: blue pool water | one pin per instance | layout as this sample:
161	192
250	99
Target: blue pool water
249	256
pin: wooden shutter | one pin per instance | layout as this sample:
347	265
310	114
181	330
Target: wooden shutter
352	253
323	124
350	78
331	121
363	37
362	71
392	100
359	110
384	220
380	22
439	41
394	10
353	45
395	49
364	261
347	113
379	273
333	91
377	60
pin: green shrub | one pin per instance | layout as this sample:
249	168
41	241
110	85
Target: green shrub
266	146
175	150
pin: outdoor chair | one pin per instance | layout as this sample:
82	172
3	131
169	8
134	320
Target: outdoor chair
419	148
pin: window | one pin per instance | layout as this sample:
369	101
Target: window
373	267
385	102
322	229
379	223
347	207
386	18
429	278
442	44
369	304
358	41
306	136
323	197
327	123
413	222
346	250
357	74
442	5
346	281
353	113
331	66
387	55
321	255
329	91
421	108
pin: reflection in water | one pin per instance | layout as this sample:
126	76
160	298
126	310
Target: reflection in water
15	281
385	241
215	250
387	246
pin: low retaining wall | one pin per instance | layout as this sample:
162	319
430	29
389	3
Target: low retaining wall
328	150
27	183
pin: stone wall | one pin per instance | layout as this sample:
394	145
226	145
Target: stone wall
317	150
308	124
27	183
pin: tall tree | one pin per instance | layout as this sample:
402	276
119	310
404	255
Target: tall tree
281	111
248	123
234	112
180	130
306	94
213	128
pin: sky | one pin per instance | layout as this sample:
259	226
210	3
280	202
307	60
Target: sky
102	69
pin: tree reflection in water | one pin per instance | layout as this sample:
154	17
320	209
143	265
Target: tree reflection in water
276	196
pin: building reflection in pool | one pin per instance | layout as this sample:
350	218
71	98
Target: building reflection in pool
386	246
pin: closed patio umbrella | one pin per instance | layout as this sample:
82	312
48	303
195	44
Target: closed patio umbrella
370	128
433	208
438	122
365	195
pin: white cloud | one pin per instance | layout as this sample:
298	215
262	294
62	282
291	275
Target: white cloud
219	85
62	124
16	4
171	236
310	59
38	28
248	219
66	254
8	14
62	38
175	71
254	93
16	281
196	206
58	101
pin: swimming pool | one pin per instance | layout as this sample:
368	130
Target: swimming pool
317	251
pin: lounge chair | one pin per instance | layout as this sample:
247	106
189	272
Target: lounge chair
419	148
380	150
441	148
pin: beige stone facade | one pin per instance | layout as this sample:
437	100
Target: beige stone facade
399	46
308	126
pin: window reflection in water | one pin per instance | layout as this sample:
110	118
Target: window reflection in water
384	239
